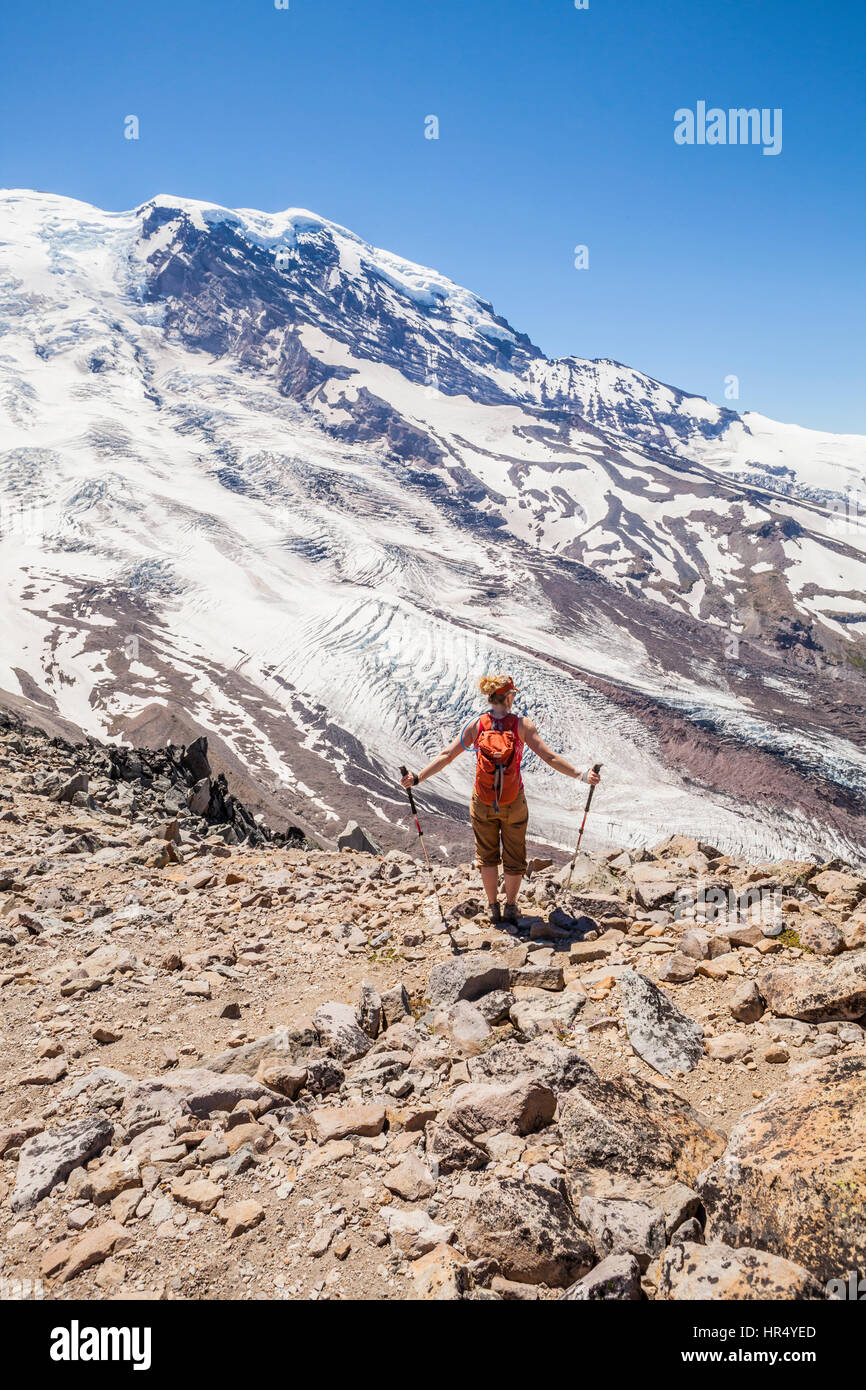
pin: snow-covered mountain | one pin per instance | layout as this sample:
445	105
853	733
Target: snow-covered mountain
301	492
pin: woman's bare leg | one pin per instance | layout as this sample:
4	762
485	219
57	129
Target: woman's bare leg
490	879
512	887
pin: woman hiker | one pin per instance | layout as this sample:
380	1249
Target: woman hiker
498	810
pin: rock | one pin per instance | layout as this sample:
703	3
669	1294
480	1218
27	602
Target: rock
440	1275
664	1037
521	1106
282	1077
824	938
47	1158
537	977
14	1135
241	1217
329	1123
354	837
77	783
370	1009
545	1014
728	1047
813	991
466	977
45	1073
452	1151
688	1272
530	1231
791	1178
112	1178
197	1090
413	1233
618	1226
411	1179
616	1278
854	932
94	1247
653	884
494	1007
677	1204
634	1127
103	1034
746	1004
512	1292
395	1005
775	1052
324	1076
339	1031
549	1061
838	881
677	969
257	1136
464	1024
689	1233
695	942
201	1194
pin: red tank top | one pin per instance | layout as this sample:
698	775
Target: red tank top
499	749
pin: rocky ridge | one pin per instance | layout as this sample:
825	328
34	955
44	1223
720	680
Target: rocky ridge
237	1067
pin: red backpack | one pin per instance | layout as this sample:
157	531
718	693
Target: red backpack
497	766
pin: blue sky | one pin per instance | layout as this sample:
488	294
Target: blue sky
555	129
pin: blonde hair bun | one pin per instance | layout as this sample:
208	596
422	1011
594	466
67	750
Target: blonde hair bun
488	685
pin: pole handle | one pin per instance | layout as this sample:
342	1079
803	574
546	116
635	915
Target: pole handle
404	772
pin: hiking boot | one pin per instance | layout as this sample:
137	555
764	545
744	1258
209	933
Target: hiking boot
511	915
494	913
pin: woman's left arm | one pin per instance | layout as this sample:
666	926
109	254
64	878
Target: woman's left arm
532	738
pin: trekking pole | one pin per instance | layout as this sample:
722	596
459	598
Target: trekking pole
404	772
596	768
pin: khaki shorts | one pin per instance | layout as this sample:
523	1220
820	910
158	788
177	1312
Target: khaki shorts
508	824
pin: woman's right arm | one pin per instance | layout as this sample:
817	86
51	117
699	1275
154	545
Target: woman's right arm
442	759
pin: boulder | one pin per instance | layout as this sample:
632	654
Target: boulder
559	1067
466	977
339	1122
521	1106
616	1279
838	881
413	1233
197	1091
746	1004
791	1179
464	1024
814	991
395	1005
634	1127
667	1039
688	1271
354	837
824	938
530	1231
47	1158
618	1226
340	1032
542	1012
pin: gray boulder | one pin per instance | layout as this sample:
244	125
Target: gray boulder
667	1039
621	1227
466	977
354	837
47	1158
340	1032
616	1279
531	1232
